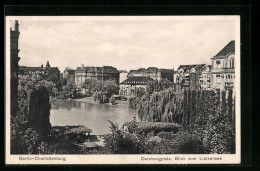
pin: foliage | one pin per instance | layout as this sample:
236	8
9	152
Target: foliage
25	138
143	128
166	135
179	143
39	111
156	85
52	75
119	142
206	114
163	106
102	90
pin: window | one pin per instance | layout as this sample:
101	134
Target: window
218	78
218	62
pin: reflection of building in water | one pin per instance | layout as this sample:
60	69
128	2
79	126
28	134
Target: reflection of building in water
130	85
223	68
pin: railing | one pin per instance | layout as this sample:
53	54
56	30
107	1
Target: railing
229	84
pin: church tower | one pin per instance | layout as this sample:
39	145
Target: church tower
47	65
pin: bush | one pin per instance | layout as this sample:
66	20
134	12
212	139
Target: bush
148	127
119	142
186	143
166	135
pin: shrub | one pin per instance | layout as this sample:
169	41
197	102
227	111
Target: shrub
186	143
148	127
166	135
119	142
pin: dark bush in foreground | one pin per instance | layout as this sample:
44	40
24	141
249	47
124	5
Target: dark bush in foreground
179	143
119	142
166	135
151	127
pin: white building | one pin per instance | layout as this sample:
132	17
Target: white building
130	85
223	68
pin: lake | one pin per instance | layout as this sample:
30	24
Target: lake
90	114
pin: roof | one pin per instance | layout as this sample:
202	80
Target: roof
106	69
33	69
110	69
186	68
148	70
137	80
229	48
152	69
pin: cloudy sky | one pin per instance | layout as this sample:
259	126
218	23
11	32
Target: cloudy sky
124	44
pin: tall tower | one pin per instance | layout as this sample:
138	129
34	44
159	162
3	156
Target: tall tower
47	65
14	37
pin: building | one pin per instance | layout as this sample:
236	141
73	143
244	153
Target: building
123	75
223	68
153	72
39	72
99	73
69	73
14	51
190	76
205	78
129	86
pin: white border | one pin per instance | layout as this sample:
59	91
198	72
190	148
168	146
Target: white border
123	159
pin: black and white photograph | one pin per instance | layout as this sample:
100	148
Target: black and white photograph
122	89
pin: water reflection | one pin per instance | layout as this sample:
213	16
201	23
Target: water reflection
92	115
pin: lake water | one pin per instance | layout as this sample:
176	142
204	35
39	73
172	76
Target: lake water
90	114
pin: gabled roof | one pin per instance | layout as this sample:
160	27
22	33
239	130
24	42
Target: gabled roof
186	68
137	80
229	48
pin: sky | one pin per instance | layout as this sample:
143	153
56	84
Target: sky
124	44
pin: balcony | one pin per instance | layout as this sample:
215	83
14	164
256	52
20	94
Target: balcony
229	84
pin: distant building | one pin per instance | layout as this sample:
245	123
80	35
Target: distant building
190	76
153	72
14	37
123	75
223	68
69	73
39	72
100	73
129	86
205	78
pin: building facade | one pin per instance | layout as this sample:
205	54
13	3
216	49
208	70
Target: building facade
123	75
131	84
191	77
153	72
223	68
99	73
205	78
14	51
39	72
69	74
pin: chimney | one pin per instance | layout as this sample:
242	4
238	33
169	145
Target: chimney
16	25
82	66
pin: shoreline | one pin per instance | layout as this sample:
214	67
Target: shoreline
91	101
